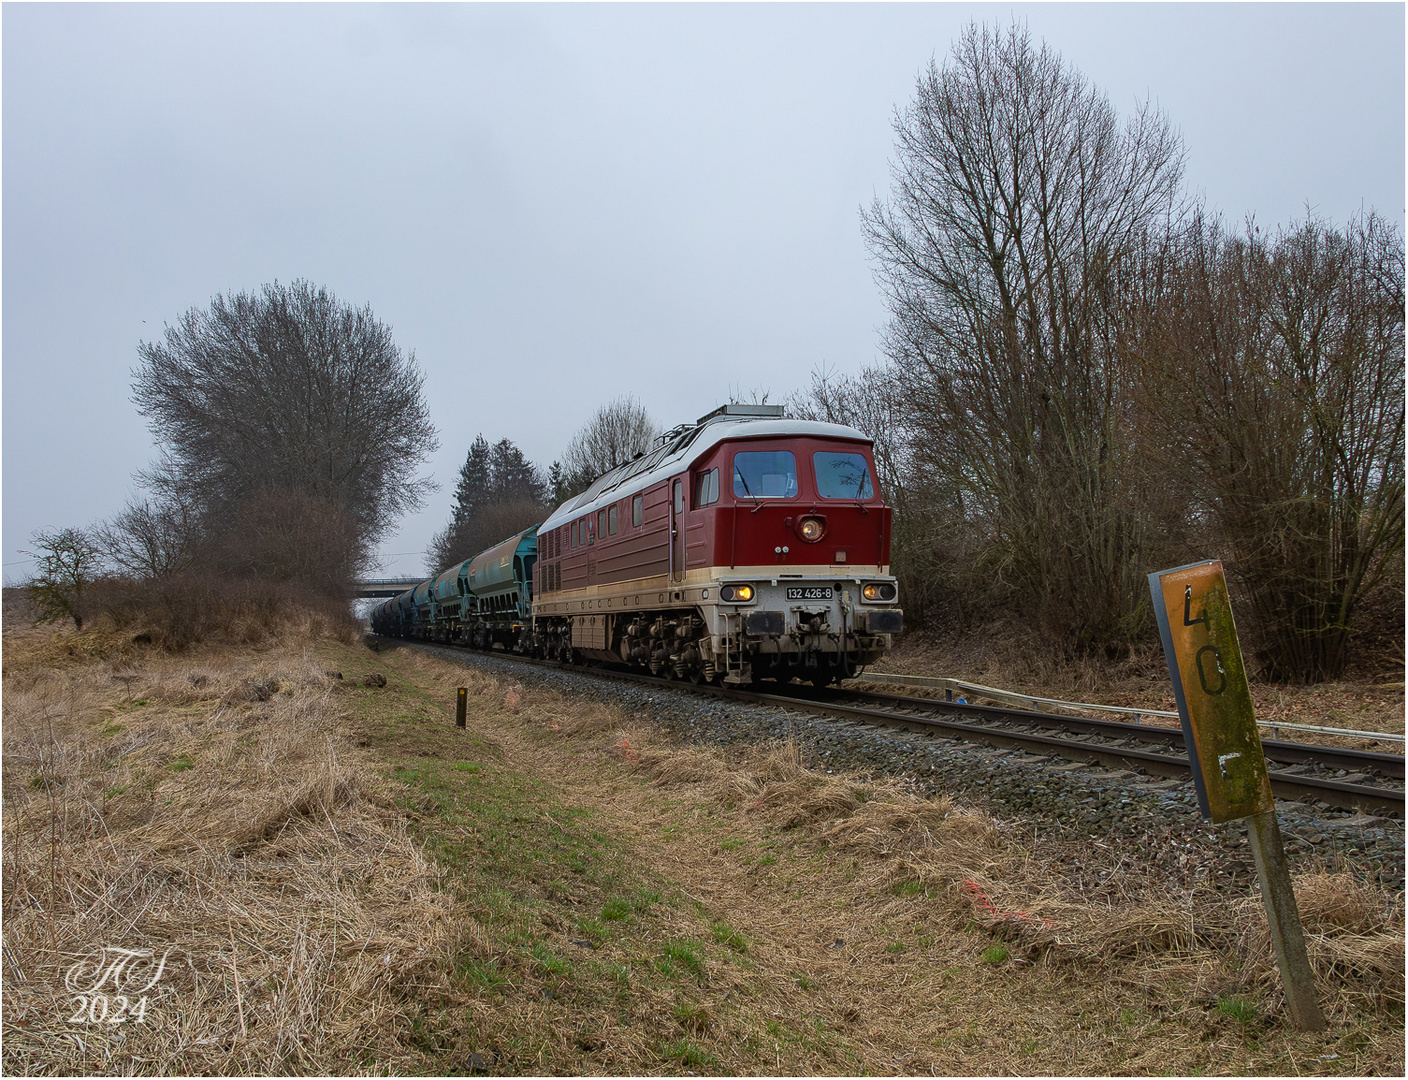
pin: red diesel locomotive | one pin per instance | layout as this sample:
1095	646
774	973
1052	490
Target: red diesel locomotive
744	546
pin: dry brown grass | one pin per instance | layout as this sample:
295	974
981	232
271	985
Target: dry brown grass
217	810
989	873
794	922
882	869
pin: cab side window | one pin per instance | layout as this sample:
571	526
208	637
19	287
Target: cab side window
637	510
706	488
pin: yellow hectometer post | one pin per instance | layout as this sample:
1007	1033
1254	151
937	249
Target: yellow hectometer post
1210	683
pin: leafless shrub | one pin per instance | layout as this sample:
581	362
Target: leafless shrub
152	538
1279	365
66	565
295	538
182	610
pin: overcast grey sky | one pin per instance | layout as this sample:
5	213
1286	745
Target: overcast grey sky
552	205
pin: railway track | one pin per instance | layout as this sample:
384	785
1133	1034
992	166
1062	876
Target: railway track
1351	779
1362	780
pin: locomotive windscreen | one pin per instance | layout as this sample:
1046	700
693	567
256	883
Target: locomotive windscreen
764	474
842	476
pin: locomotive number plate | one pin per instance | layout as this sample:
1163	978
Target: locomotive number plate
814	593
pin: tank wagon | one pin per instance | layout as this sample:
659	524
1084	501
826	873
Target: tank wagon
744	546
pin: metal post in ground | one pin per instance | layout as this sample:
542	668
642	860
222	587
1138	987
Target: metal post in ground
1283	917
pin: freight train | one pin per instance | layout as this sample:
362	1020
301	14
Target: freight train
741	547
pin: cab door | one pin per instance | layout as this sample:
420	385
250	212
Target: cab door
677	531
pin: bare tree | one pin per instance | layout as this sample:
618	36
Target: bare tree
1017	202
617	433
286	390
154	538
1280	373
67	564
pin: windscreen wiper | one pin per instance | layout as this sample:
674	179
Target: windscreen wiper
757	503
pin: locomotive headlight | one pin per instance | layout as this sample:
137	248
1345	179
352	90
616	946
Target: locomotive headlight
810	529
736	594
877	591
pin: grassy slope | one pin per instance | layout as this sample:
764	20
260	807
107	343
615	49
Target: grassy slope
349	883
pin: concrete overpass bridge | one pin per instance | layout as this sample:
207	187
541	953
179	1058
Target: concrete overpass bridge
384	587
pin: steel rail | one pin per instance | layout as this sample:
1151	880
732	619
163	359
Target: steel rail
933	682
1275	750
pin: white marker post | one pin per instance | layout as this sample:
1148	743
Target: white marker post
1224	750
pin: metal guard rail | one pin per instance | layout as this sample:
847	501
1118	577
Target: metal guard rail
1009	697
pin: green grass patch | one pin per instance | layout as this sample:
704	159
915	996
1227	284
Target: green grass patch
484	973
624	907
620	973
691	1017
690	1054
592	930
547	961
729	937
683	955
1238	1009
995	954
